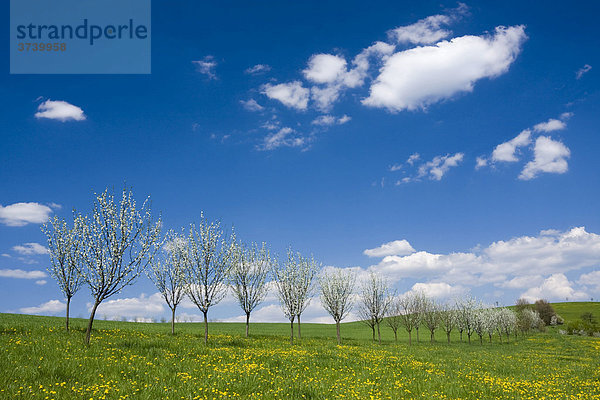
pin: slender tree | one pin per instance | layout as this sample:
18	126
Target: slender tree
448	319
466	315
419	307
212	254
336	290
431	316
409	315
119	240
480	322
65	256
167	271
248	277
394	317
307	269
375	300
285	277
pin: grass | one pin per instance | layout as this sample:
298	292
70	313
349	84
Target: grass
572	311
38	360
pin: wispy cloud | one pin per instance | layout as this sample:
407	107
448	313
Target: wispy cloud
20	274
583	70
30	249
258	69
206	66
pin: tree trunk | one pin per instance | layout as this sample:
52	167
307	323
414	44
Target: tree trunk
417	329
205	326
173	321
247	323
432	334
469	336
337	328
461	335
396	336
378	333
68	304
88	332
481	339
373	331
490	337
292	331
299	333
448	334
410	337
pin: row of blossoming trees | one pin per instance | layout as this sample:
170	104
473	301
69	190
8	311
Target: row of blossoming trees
108	249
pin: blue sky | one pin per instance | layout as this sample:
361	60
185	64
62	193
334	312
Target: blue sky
296	123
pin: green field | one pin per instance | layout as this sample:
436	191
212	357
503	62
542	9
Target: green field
142	361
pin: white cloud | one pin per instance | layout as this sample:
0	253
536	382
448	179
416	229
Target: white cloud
438	290
41	282
506	151
20	214
142	306
550	156
586	68
251	105
425	31
415	78
328	120
395	248
325	68
550	125
206	66
413	158
59	110
20	274
481	162
555	288
521	282
324	97
438	167
30	249
52	307
292	94
330	71
284	137
501	261
591	279
258	69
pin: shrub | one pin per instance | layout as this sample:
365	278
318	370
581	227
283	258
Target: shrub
545	310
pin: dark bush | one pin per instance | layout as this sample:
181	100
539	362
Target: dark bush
545	310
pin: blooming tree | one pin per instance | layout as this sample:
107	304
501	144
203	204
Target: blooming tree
285	277
336	290
409	315
212	255
248	277
448	319
431	316
306	271
118	241
466	316
394	317
167	271
375	301
65	256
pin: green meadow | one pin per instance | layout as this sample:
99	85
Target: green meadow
39	360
